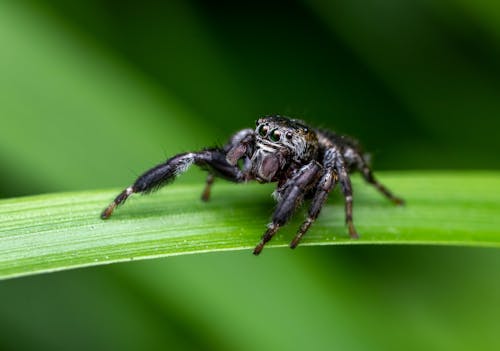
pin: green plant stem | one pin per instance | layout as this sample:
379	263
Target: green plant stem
60	231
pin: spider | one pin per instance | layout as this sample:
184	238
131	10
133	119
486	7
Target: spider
304	161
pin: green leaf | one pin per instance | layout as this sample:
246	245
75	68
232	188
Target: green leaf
60	231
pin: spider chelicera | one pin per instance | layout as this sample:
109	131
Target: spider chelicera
306	163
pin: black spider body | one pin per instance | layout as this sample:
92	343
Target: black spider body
305	162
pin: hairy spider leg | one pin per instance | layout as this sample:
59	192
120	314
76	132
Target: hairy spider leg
213	160
325	185
205	196
356	158
290	197
335	147
345	184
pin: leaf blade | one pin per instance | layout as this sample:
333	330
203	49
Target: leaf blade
61	231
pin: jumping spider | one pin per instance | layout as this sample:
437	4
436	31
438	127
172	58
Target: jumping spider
306	163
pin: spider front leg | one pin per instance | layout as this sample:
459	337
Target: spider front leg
214	160
323	188
290	197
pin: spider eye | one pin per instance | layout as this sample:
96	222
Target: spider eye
275	135
263	129
289	135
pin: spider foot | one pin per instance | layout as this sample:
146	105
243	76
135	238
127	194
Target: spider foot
352	231
205	196
354	236
398	201
272	229
303	229
108	211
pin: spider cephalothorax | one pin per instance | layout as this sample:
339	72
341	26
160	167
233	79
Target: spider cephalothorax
280	143
304	161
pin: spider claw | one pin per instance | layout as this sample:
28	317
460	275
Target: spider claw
258	248
398	201
295	242
205	196
118	200
272	229
354	236
352	231
108	211
303	229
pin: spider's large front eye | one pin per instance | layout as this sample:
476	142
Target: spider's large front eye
275	135
263	129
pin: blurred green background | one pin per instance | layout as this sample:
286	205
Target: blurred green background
94	92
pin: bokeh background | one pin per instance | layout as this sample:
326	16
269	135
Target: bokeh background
94	92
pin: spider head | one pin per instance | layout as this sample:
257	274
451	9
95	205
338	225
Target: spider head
279	141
